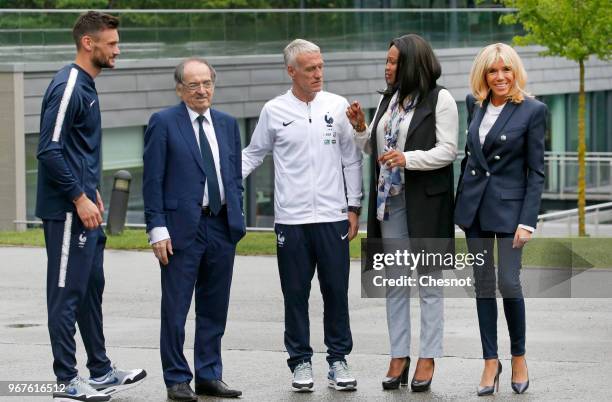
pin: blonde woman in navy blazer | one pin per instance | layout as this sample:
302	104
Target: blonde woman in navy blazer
498	197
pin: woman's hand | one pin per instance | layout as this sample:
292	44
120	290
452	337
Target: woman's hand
356	116
521	237
393	158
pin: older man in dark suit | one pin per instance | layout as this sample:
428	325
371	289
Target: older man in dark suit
192	190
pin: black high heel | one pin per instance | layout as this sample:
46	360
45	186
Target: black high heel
422	386
519	387
490	389
390	383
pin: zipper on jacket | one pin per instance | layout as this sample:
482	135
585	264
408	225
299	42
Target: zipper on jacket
312	152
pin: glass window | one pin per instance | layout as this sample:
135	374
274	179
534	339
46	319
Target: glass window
260	189
31	148
121	149
597	117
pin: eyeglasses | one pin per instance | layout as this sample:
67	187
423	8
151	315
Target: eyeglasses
194	86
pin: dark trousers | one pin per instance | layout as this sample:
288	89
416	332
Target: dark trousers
206	266
300	249
75	283
509	282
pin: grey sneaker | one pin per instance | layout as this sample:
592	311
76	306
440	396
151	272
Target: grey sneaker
118	380
302	378
340	377
78	389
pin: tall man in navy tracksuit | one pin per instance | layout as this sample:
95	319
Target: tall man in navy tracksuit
69	203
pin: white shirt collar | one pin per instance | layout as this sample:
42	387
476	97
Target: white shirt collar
298	100
193	115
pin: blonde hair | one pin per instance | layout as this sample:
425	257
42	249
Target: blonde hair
485	59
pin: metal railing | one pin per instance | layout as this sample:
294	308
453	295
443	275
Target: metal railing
46	34
595	216
562	175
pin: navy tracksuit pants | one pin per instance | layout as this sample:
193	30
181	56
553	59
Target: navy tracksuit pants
300	249
75	283
206	266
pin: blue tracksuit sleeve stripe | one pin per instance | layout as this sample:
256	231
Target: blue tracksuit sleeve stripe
60	106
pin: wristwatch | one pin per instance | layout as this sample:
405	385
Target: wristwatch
356	210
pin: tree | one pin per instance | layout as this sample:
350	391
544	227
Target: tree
576	30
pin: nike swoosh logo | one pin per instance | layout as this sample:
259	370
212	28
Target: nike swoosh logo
345	236
286	124
92	102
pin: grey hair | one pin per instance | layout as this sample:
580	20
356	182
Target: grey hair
296	47
180	69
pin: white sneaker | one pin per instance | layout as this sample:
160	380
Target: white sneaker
79	390
302	378
118	380
340	378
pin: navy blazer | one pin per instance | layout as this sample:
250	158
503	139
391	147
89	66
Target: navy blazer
173	177
502	182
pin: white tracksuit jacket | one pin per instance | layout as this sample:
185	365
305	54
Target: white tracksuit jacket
315	158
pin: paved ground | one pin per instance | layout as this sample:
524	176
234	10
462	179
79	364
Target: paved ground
569	341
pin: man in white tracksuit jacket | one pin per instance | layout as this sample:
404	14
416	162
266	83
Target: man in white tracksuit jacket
317	198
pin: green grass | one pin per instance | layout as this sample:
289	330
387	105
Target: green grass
254	243
542	252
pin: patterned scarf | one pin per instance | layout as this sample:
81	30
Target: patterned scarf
389	180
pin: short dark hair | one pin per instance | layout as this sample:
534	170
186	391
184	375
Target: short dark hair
179	70
92	22
418	68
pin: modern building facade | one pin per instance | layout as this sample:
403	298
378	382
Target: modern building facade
142	84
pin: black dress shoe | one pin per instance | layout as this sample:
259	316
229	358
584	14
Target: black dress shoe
390	383
520	387
216	388
181	392
490	389
422	385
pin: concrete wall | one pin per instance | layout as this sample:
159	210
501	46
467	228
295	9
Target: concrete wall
134	90
12	151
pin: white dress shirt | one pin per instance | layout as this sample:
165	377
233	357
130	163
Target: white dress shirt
209	130
447	128
161	233
489	118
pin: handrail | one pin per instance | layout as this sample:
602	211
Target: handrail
259	10
573	211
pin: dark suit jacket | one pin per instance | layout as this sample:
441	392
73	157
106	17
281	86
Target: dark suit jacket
502	182
173	178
